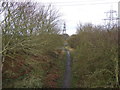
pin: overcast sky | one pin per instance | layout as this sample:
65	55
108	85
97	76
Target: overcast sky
84	11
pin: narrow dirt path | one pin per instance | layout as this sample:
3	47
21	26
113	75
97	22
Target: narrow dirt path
67	74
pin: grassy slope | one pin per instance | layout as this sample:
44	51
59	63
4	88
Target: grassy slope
62	69
94	60
46	71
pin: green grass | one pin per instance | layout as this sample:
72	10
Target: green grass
74	78
61	63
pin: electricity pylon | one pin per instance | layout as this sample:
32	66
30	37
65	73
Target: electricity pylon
111	19
64	29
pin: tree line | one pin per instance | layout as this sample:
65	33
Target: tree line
95	56
30	32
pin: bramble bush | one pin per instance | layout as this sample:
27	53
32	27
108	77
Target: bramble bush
95	59
29	30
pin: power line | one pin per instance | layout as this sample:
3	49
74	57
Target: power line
103	1
76	4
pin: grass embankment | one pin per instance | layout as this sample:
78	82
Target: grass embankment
54	77
95	58
25	74
29	71
62	64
